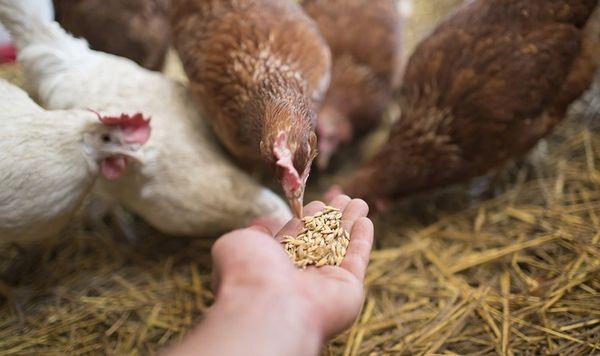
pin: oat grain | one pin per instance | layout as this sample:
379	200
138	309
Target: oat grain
322	241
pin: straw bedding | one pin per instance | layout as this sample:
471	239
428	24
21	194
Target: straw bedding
510	267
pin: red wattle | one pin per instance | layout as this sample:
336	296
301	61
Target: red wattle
8	53
113	167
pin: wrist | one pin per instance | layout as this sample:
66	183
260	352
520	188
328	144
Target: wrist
280	320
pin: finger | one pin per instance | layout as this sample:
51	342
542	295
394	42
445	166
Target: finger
261	228
313	208
236	252
219	252
292	227
215	281
340	202
359	249
247	247
237	242
355	210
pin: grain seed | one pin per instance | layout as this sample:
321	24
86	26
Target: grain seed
322	241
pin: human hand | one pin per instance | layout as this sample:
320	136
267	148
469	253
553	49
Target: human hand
266	306
252	262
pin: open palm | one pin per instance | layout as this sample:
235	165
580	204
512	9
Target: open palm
253	260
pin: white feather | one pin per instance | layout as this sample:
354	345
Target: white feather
45	171
187	186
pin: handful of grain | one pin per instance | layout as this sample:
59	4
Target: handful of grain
322	241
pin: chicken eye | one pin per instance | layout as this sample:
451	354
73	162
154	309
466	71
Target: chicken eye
106	138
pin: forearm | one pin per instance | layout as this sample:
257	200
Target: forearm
251	323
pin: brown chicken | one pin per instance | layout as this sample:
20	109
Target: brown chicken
135	29
259	69
365	37
483	88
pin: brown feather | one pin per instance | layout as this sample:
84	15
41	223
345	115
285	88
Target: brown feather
135	29
259	69
256	67
365	40
484	87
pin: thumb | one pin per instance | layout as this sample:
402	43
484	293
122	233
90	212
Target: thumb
261	228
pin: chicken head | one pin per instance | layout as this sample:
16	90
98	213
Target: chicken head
117	140
293	160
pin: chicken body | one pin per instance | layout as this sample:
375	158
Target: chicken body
259	69
483	88
49	162
136	29
186	185
365	37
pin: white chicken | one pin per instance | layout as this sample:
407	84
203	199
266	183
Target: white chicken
51	159
49	162
186	185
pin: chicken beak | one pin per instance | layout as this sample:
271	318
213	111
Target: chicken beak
296	199
136	156
296	204
130	152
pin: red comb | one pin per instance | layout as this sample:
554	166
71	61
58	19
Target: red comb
137	119
136	127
